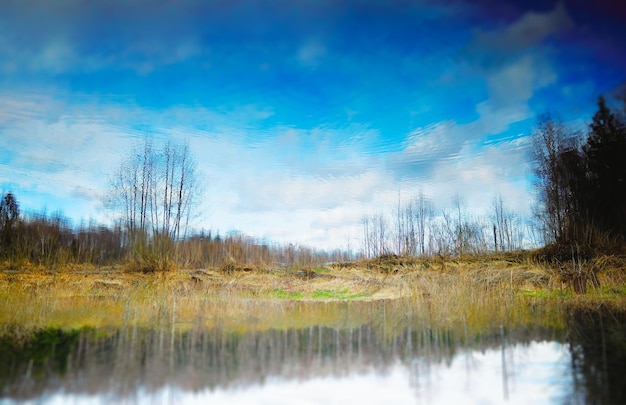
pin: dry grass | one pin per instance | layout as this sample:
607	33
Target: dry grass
464	293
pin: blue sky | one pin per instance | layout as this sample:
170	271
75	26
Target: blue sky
303	116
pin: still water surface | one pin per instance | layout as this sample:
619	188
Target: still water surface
368	364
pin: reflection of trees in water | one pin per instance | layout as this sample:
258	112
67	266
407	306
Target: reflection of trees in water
117	362
45	354
598	349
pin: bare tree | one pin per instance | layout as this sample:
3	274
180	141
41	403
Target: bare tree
461	232
508	227
550	142
155	190
412	222
423	215
502	225
367	243
375	234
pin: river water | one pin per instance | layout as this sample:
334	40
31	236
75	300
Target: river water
317	364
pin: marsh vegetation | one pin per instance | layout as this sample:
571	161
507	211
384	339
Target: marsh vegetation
223	327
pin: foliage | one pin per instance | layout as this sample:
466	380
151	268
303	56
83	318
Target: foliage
604	153
46	349
582	188
49	241
9	218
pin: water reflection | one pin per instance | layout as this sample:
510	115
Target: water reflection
598	353
315	364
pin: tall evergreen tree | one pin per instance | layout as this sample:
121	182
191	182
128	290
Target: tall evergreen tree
605	154
9	215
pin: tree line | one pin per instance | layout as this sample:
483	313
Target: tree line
580	183
153	196
581	180
417	228
50	241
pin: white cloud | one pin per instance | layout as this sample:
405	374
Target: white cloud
478	176
278	191
493	48
58	160
304	186
289	184
443	142
56	54
449	157
277	188
517	82
514	60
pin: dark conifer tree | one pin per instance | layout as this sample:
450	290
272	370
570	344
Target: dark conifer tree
9	216
605	154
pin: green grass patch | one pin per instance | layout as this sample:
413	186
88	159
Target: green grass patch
614	290
546	294
337	295
322	295
535	294
286	295
321	270
608	292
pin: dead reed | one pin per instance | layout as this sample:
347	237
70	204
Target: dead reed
464	293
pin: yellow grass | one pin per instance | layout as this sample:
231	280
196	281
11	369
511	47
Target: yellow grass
458	294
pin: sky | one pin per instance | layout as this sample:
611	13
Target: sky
303	116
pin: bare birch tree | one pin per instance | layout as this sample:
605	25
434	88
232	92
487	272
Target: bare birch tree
550	142
155	191
412	220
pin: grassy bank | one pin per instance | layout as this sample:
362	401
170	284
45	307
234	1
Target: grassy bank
463	293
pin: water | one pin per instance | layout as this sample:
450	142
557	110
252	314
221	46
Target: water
367	364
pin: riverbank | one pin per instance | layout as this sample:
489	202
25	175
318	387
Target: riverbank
509	288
